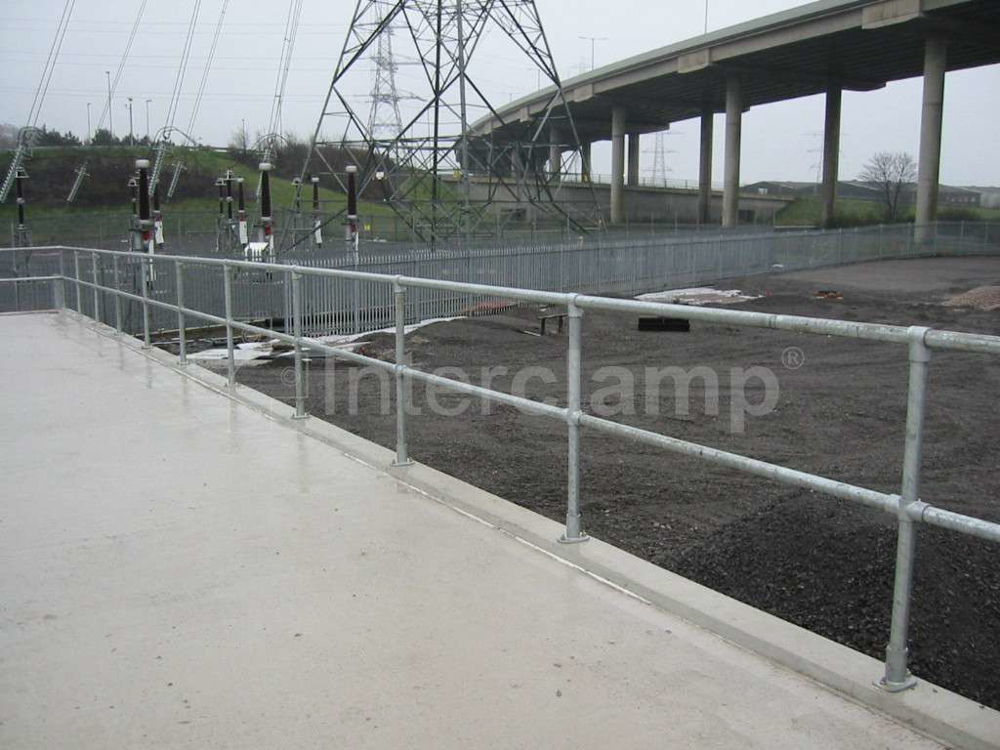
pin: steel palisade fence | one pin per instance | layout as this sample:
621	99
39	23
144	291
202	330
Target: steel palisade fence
612	264
907	506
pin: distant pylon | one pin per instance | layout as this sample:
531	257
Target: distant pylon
384	120
660	167
443	174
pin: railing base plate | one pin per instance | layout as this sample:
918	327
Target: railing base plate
897	687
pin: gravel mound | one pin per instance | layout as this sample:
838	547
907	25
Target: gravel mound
827	566
981	298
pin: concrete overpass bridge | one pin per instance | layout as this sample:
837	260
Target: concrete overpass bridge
824	47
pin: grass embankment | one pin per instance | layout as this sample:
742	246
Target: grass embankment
103	207
851	213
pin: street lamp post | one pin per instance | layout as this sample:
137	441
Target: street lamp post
148	102
131	132
90	133
111	117
706	16
593	48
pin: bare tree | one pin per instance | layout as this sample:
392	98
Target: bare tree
8	135
239	142
890	173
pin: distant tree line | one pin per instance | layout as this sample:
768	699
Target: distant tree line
54	137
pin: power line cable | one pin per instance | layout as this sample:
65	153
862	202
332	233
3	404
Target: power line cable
287	48
50	63
208	68
182	68
122	63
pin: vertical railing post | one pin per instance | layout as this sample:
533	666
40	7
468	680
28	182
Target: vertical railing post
181	320
574	533
76	271
300	399
897	676
230	349
402	403
97	295
59	288
115	282
144	283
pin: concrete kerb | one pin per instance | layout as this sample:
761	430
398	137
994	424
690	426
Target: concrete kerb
935	711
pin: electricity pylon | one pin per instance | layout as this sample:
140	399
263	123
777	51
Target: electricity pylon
443	175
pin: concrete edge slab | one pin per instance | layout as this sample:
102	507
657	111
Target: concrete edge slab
935	711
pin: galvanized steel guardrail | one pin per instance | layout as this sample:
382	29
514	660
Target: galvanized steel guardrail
907	506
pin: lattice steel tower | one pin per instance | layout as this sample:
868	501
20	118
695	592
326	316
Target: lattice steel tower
385	119
442	173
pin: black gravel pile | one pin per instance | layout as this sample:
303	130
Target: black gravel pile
828	567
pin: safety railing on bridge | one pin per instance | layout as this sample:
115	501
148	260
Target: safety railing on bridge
907	506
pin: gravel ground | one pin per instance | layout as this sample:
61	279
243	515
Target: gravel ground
820	563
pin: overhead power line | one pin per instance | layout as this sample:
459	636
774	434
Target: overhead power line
208	68
287	49
50	63
182	68
121	65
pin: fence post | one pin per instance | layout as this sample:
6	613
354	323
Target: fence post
897	676
144	283
97	296
357	293
76	270
118	299
300	399
402	404
573	533
59	287
181	322
230	349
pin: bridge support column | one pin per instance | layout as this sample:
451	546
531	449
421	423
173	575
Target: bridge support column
617	165
734	133
935	65
585	161
705	168
633	160
831	154
555	152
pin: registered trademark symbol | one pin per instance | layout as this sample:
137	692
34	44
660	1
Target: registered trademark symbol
793	358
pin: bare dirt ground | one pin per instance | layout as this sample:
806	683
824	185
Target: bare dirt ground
821	563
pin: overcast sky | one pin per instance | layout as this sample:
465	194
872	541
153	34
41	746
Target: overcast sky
780	141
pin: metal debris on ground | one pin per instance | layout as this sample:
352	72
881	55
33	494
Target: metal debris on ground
664	324
698	296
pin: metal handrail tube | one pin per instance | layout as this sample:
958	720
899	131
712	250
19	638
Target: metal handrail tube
871	498
19	279
534	407
947	519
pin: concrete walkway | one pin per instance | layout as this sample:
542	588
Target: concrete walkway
181	571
